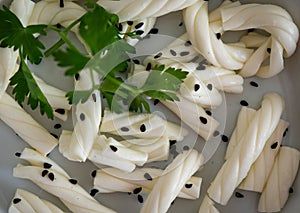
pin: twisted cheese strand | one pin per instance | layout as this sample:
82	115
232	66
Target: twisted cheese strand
140	125
206	42
60	185
130	10
25	126
283	174
235	169
273	19
27	202
110	180
260	170
207	206
172	180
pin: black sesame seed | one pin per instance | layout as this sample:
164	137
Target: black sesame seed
184	53
77	76
210	87
16	200
274	145
120	27
94	97
216	133
291	190
244	103
82	116
250	30
196	87
18	154
158	55
139	32
61	3
147	176
140	198
44	172
137	190
218	35
94	192
136	61
239	195
173	53
188	185
60	111
203	120
180	24
124	129
143	128
188	43
195	59
156	101
153	31
129	193
54	135
51	176
58	25
148	67
57	126
269	50
73	181
172	142
186	148
94	173
208	112
130	23
139	25
47	165
225	138
254	84
113	148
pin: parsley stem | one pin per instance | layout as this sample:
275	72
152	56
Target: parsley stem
123	85
54	47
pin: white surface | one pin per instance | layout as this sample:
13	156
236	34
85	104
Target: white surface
285	83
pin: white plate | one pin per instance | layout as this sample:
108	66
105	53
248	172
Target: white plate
285	83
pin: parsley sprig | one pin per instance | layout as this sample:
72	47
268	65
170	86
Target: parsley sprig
108	55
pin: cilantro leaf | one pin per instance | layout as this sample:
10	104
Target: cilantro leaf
26	86
14	34
139	104
98	28
78	96
72	59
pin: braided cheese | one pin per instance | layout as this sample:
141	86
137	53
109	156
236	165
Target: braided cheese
235	169
25	126
110	180
130	10
260	170
283	174
172	180
27	202
62	186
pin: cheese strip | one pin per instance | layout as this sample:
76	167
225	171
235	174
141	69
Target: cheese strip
25	126
260	170
207	206
8	57
27	202
245	117
273	19
61	186
88	115
140	125
157	149
110	180
204	39
283	174
172	180
236	168
130	10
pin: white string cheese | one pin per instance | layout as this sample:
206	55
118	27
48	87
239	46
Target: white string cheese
283	174
235	169
172	180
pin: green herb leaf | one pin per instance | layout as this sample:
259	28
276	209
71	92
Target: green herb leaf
14	34
78	96
139	104
26	86
72	59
